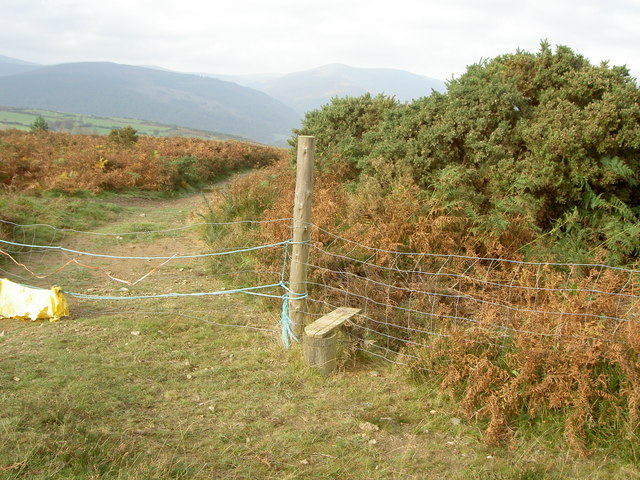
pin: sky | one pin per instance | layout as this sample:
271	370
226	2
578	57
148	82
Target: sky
438	39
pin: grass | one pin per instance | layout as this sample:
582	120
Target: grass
165	390
65	212
60	212
89	397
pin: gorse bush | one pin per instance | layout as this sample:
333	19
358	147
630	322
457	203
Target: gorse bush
521	147
123	136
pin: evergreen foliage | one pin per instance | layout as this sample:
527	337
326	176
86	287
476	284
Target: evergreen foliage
123	136
39	125
541	146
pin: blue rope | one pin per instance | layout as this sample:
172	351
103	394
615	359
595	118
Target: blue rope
286	323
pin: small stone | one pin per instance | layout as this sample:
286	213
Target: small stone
123	289
368	427
490	457
135	333
189	376
212	409
304	462
143	214
2	333
373	441
16	379
432	412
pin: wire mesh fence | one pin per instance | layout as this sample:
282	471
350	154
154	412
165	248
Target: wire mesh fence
410	302
415	302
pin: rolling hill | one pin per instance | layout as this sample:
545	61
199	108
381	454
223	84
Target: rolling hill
109	89
11	66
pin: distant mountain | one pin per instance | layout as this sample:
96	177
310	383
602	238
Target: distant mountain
109	89
311	89
261	107
11	66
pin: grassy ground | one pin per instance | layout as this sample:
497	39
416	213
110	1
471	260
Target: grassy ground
132	393
90	397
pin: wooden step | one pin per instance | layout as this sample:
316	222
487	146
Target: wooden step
329	322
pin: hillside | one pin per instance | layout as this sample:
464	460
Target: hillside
311	89
108	89
11	66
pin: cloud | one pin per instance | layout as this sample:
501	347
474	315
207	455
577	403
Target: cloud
430	37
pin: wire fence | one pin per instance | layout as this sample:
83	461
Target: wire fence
161	272
413	303
410	302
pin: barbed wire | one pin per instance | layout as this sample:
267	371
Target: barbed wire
356	244
141	232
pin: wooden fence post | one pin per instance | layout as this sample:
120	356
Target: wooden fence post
301	233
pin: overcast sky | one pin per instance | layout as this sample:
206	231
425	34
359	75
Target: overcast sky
434	38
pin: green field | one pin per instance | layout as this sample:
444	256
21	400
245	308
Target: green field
22	119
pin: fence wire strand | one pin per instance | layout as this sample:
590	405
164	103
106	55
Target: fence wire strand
408	300
417	300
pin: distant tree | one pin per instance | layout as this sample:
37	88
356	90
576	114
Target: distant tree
124	136
39	125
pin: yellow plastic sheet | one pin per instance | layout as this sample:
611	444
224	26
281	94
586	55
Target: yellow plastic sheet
26	303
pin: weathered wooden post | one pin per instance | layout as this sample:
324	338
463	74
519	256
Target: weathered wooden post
320	344
301	233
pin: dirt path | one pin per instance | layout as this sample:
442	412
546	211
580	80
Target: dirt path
153	219
145	227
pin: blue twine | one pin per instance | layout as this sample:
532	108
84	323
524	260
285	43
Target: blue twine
286	323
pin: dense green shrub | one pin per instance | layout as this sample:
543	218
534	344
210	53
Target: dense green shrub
39	125
341	126
123	136
540	145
